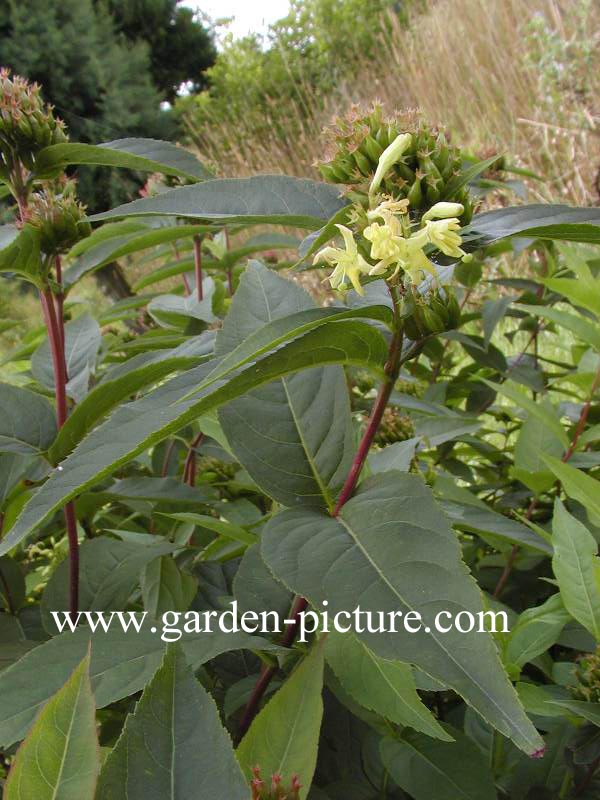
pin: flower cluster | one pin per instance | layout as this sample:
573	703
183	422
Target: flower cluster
27	124
276	790
394	246
401	156
58	216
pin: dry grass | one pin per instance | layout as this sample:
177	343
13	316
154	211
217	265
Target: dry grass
520	76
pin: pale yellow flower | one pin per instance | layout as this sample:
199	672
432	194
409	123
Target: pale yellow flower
444	235
390	156
348	262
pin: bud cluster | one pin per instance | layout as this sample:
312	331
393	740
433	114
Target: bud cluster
59	217
429	314
275	789
588	678
421	175
394	427
27	124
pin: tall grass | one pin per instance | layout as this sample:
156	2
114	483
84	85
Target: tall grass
519	76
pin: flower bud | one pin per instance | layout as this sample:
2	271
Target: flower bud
390	156
443	211
60	219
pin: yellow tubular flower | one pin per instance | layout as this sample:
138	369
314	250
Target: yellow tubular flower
444	235
348	262
390	156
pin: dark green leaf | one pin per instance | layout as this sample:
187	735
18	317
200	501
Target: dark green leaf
27	421
136	426
293	436
391	549
284	737
60	758
173	746
146	155
428	768
274	199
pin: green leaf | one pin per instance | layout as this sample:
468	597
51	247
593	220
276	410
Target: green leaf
284	736
466	176
109	572
428	768
585	330
276	199
20	252
588	711
536	221
300	450
166	588
398	455
580	292
578	485
544	412
536	439
121	383
82	343
392	550
141	424
146	155
476	519
173	746
577	569
60	757
132	242
27	421
173	311
536	630
224	528
122	664
386	687
160	490
255	588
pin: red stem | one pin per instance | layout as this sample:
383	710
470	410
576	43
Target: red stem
198	267
56	340
391	369
189	467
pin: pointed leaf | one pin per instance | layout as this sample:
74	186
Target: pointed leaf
138	425
274	199
427	768
392	550
577	569
301	449
147	155
578	485
386	687
536	221
122	663
60	758
284	737
173	746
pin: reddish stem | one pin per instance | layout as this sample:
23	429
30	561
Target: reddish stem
391	370
189	467
56	340
60	316
198	267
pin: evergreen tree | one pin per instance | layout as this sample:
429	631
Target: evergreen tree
100	80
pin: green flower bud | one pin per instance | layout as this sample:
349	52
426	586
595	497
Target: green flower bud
60	218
